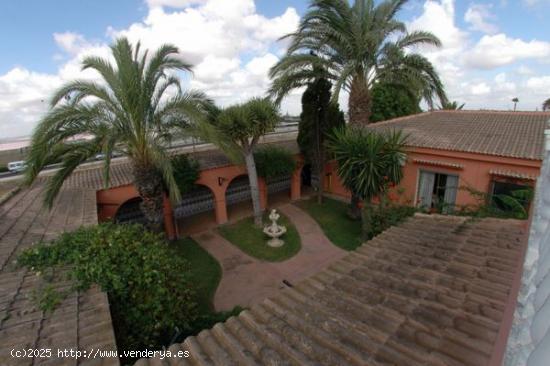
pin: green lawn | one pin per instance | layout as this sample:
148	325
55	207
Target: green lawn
205	274
331	215
253	241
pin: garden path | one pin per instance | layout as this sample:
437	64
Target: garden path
247	280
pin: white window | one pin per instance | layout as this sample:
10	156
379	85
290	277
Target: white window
437	190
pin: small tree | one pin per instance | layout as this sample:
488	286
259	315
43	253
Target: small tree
186	172
515	101
368	162
392	101
236	131
273	161
546	105
319	116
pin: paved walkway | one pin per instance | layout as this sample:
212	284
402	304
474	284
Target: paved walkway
247	280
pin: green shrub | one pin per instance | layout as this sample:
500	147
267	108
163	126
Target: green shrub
186	172
3	169
384	217
147	283
272	162
505	206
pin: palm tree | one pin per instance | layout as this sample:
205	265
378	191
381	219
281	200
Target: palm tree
236	130
368	162
132	110
452	106
546	105
357	46
516	101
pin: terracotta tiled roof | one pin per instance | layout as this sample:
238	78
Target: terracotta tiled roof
82	321
512	174
510	134
431	291
439	163
121	173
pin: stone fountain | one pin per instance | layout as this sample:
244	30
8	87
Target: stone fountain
274	231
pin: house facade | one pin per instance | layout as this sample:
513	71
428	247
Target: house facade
459	158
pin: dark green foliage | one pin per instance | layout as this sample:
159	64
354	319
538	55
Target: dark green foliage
132	109
243	122
392	101
3	169
452	106
506	206
274	162
186	172
47	297
368	164
148	285
355	44
318	117
384	217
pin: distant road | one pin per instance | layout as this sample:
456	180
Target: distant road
184	144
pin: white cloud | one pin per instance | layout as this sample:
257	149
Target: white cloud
500	50
233	46
480	89
173	3
539	84
71	42
23	97
213	35
463	59
525	70
438	17
479	16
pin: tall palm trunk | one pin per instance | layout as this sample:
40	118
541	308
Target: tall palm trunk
354	209
254	190
360	109
319	154
320	170
360	102
366	220
150	187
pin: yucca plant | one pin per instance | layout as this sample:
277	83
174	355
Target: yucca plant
132	109
368	163
356	46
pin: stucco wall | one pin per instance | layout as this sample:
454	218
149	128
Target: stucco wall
529	340
473	171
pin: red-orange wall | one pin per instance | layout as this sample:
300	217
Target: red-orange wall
474	173
216	179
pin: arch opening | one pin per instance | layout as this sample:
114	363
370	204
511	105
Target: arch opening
278	190
196	211
238	198
130	212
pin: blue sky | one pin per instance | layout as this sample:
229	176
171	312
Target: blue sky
493	50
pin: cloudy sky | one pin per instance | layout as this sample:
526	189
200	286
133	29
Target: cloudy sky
492	51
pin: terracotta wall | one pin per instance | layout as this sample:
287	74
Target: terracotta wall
216	179
473	173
